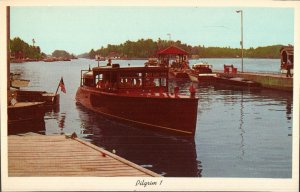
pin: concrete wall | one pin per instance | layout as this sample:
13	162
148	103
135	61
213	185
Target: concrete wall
270	81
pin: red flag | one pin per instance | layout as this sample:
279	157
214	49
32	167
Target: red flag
62	85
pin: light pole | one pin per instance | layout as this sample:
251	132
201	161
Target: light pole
169	34
242	42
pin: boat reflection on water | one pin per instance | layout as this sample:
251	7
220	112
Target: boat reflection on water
35	126
169	156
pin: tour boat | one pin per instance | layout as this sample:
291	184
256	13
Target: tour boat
138	96
202	72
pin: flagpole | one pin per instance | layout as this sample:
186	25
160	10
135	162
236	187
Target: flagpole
58	87
53	100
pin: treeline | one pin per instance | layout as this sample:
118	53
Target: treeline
145	48
63	54
20	49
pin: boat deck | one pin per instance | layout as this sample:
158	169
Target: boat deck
40	155
24	104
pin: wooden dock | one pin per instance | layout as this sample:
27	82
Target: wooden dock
40	155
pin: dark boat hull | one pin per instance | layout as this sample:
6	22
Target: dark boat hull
25	112
176	115
50	100
202	78
238	83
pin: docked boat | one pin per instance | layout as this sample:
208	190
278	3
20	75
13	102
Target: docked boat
138	96
21	112
17	83
176	60
151	62
238	82
50	100
202	72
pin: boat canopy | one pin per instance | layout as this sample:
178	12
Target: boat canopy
172	50
286	58
287	53
113	78
178	55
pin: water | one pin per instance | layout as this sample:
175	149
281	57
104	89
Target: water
249	65
239	133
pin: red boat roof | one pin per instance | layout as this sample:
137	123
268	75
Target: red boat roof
172	50
131	69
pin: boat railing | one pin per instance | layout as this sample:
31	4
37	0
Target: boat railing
82	72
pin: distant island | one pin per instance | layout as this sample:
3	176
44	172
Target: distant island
145	48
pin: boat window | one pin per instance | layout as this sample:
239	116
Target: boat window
155	79
130	80
100	82
88	82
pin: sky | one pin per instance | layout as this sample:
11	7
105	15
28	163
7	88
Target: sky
80	29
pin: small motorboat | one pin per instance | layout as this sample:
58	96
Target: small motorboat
51	100
238	82
202	72
20	112
151	62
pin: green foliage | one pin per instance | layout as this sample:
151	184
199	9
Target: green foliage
61	54
144	48
17	45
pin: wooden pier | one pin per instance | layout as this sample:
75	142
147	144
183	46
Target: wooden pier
40	155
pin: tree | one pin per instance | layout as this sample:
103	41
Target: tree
92	54
61	53
18	46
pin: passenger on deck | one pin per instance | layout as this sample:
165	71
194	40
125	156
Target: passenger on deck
151	83
138	83
122	83
129	83
109	62
107	85
100	84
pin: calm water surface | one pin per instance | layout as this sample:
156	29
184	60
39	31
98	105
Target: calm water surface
239	133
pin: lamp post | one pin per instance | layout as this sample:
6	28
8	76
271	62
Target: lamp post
169	34
242	42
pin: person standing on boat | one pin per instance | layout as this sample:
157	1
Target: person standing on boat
288	68
109	62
